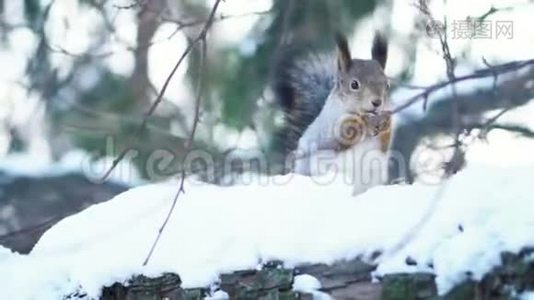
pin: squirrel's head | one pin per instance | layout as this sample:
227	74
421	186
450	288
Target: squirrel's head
361	84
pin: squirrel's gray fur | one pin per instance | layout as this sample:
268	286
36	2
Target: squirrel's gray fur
303	82
301	87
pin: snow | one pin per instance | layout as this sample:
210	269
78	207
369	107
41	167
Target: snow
473	217
526	296
218	295
306	283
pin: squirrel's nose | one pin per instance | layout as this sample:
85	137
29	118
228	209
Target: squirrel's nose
376	102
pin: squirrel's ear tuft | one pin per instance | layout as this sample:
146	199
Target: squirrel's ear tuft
379	52
343	53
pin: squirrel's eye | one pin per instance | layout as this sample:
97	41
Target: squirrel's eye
354	85
388	86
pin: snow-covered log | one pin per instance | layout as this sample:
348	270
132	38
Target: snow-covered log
452	229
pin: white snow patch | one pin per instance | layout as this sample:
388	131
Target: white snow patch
218	295
306	283
526	296
482	211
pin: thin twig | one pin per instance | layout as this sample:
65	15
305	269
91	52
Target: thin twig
455	162
201	39
493	71
495	75
487	126
458	157
159	98
481	73
134	4
521	130
184	24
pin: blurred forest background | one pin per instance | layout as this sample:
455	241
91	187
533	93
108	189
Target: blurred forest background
82	74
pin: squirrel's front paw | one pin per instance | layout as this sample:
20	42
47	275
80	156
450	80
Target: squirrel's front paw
372	122
385	121
377	123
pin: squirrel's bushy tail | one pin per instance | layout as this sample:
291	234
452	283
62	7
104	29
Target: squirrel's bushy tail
301	85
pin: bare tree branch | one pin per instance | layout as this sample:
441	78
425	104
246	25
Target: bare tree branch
184	24
523	131
200	39
134	4
514	128
478	74
452	119
514	91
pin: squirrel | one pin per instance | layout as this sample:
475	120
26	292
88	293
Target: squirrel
336	113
